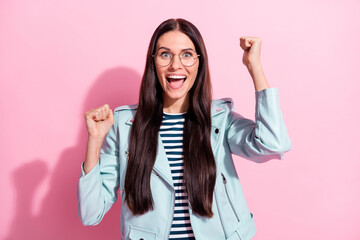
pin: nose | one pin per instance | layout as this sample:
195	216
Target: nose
176	63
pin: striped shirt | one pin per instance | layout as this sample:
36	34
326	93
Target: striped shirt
171	132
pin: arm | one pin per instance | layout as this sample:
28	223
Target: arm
251	59
98	183
266	138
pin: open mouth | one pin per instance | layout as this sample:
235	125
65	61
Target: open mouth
176	81
175	78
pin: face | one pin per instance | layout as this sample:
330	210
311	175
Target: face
176	79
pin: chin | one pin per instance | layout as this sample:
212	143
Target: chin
175	96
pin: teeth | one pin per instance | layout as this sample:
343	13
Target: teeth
176	77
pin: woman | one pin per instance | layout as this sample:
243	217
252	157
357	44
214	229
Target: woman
170	154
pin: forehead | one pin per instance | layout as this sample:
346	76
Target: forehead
175	40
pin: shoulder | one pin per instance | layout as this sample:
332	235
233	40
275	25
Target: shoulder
125	113
221	105
222	101
132	107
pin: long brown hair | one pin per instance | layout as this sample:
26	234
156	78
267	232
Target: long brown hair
199	161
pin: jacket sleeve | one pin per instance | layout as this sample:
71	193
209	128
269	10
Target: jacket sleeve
97	190
266	138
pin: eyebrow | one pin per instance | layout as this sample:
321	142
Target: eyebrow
181	49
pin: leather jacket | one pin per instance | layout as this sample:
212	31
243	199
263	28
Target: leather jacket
259	141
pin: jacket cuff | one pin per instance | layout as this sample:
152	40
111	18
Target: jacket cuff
267	92
94	170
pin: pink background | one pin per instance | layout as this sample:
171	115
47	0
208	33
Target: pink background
59	59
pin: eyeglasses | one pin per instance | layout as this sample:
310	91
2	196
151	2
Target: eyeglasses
164	57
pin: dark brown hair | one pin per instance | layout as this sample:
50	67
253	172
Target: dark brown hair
199	162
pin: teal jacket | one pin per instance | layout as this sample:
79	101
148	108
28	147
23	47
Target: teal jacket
259	141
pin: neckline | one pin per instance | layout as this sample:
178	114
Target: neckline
174	114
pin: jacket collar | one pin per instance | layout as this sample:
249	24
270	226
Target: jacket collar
216	108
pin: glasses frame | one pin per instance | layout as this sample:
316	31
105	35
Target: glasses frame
173	55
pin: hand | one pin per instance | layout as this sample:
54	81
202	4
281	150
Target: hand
99	121
251	47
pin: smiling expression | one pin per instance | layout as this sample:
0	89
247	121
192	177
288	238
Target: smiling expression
176	79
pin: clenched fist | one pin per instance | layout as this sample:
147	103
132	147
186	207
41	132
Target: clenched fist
252	49
99	121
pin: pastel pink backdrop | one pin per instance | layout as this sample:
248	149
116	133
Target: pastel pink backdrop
59	59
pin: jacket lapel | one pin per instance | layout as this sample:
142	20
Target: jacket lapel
161	165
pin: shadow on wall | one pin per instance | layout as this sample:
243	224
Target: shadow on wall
57	219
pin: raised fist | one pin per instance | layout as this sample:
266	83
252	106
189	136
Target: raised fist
99	121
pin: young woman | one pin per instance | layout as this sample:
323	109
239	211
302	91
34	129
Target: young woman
171	154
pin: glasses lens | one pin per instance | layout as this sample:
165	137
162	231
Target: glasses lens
188	58
163	58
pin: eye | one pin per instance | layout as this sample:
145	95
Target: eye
186	55
165	55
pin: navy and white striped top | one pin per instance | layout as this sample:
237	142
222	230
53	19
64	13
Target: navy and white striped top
171	132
